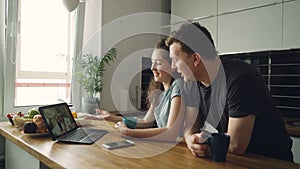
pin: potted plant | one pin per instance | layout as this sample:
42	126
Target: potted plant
90	77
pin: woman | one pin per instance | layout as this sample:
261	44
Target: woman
164	98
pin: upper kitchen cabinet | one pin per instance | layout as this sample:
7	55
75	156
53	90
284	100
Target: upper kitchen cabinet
211	25
291	24
190	9
250	30
233	5
202	11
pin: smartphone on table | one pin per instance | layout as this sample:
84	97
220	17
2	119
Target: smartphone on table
118	144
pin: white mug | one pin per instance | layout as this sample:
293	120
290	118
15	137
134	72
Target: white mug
70	4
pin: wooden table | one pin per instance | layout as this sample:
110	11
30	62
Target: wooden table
145	154
292	130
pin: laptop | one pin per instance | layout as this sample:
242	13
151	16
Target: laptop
62	126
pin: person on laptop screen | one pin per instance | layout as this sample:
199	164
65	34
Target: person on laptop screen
59	121
164	98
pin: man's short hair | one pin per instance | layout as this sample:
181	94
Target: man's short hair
193	38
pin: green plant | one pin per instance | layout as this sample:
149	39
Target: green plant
93	70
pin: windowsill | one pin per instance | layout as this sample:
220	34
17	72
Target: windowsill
3	118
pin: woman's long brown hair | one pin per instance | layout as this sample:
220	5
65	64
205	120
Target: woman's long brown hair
153	85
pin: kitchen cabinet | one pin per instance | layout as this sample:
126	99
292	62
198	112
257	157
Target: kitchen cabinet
211	25
232	5
291	24
245	26
14	153
189	9
252	30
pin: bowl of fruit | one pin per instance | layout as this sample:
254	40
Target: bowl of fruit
18	119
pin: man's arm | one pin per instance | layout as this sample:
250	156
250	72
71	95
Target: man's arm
191	124
192	133
240	131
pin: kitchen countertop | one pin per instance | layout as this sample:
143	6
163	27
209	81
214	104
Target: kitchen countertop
59	155
291	129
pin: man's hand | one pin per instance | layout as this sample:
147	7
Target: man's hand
196	144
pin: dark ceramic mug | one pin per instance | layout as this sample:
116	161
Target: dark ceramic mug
219	143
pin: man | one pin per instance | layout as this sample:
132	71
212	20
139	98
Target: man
233	98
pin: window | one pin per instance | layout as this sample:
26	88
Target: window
44	45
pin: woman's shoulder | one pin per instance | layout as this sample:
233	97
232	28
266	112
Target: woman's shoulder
177	86
178	82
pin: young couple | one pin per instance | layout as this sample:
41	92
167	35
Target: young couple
228	94
164	98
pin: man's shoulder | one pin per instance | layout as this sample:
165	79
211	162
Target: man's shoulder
231	62
237	69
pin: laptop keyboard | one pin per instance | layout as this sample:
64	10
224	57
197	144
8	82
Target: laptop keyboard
82	135
77	135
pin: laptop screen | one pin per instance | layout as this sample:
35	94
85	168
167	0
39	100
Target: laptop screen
58	118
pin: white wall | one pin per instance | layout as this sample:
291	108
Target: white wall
112	11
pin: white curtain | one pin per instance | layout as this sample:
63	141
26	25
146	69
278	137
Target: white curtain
8	39
2	53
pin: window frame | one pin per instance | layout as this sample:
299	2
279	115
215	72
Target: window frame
11	20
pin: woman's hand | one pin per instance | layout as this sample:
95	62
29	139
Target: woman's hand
121	128
101	114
